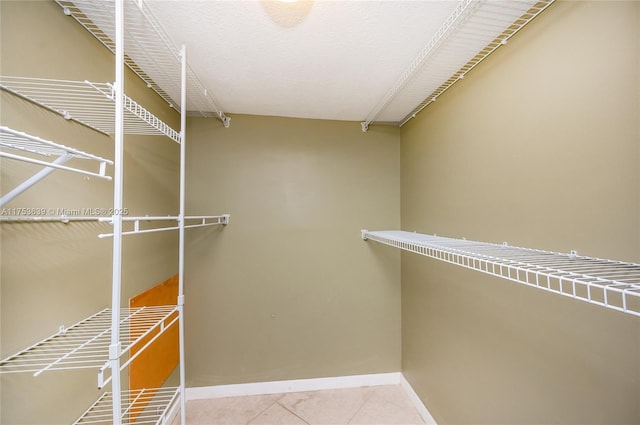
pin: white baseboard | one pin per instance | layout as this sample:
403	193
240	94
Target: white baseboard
417	403
292	386
314	384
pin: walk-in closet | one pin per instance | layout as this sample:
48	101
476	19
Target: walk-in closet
319	212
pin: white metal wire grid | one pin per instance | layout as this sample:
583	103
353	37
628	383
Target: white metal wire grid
91	104
86	343
473	31
490	13
149	51
145	406
608	283
19	141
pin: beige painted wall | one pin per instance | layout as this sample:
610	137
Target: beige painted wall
56	274
288	289
539	146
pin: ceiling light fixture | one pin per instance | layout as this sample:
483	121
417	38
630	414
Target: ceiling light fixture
286	13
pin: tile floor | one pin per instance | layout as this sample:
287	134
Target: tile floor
379	405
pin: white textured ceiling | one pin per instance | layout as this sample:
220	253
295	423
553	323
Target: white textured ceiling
311	59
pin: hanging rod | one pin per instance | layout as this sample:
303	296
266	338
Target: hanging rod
149	51
195	221
147	406
607	283
202	221
90	104
473	31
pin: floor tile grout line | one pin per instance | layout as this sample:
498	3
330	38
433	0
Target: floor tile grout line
265	409
361	406
368	394
409	406
404	395
293	413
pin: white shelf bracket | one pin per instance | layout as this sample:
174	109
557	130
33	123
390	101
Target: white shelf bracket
365	126
103	168
115	351
101	381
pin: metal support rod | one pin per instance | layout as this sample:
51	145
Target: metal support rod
114	351
33	179
220	220
100	174
138	231
180	301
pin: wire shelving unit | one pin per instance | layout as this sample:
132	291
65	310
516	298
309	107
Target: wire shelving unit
91	104
112	338
150	52
607	283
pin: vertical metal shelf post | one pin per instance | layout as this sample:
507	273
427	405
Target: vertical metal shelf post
183	130
114	349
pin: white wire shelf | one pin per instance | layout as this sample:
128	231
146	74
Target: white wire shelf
164	223
149	51
492	12
474	30
91	104
23	142
146	406
608	283
86	343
